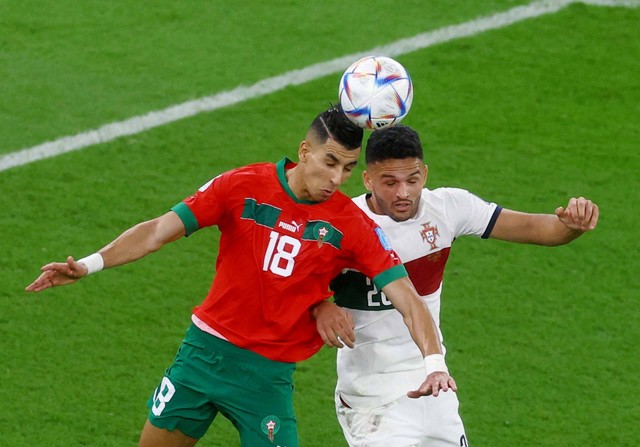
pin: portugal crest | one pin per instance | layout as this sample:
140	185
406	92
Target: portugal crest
430	234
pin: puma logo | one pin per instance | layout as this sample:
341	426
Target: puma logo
293	226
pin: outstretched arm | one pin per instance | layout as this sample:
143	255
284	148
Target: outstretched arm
133	244
425	334
580	216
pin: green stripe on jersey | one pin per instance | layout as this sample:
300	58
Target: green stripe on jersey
389	275
263	214
187	217
316	229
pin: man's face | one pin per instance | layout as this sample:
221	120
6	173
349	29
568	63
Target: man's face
396	186
326	167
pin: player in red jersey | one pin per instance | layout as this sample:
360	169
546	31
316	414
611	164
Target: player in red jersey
286	231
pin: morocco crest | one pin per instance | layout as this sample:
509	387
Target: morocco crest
270	426
430	234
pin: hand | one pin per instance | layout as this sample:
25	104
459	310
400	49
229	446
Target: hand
580	214
435	382
335	324
58	274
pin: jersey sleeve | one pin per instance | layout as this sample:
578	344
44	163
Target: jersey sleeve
206	207
469	214
374	256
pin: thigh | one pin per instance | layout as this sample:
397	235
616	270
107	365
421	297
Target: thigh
210	375
427	421
268	431
157	437
398	423
260	404
443	426
181	401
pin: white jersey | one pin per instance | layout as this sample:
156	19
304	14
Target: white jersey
385	362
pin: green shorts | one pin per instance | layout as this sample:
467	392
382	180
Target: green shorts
210	375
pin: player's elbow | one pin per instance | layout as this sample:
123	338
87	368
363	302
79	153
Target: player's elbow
150	235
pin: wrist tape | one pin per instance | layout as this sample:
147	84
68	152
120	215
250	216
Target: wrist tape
435	362
94	263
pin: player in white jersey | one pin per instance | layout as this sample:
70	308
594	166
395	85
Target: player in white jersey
372	405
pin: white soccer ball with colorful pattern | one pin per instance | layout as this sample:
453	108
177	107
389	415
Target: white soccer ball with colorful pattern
376	92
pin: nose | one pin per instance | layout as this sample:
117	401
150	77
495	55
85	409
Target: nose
403	190
337	177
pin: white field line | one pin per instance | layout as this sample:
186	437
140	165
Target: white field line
141	123
614	3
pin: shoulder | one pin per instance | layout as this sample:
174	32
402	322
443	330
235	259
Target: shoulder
445	193
238	181
450	197
254	169
452	205
345	211
360	201
252	175
340	199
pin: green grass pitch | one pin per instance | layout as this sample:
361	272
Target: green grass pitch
542	341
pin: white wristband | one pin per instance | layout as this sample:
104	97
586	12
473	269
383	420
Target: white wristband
435	362
94	263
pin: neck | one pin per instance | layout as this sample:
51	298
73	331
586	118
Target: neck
372	204
294	180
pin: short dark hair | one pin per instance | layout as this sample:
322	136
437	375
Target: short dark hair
334	124
396	142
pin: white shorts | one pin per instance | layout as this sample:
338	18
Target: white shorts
427	421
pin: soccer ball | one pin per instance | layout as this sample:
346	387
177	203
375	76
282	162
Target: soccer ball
376	92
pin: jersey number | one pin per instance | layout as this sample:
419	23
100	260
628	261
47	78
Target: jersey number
373	294
163	394
282	250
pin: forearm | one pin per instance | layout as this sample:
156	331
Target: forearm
416	316
547	230
560	234
142	239
425	334
539	229
131	245
423	329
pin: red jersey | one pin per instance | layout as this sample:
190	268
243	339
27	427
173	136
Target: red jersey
277	255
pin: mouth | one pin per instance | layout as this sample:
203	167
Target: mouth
326	193
402	206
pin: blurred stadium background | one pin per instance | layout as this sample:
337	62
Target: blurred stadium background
543	342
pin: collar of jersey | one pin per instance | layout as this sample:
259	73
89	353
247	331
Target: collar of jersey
280	169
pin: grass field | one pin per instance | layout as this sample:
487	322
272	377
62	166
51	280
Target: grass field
543	342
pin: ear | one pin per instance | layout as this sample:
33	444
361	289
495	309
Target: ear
303	150
366	179
426	172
